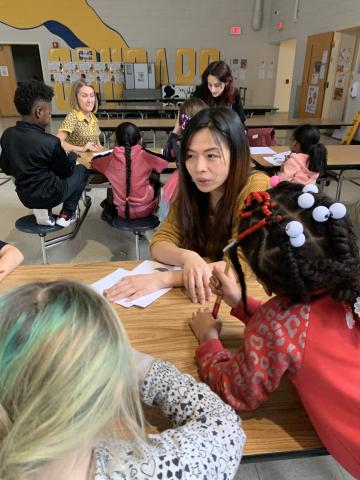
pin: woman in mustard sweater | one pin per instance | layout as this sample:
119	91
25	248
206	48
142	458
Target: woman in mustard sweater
215	179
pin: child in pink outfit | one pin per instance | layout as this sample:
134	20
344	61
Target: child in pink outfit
303	249
128	169
308	158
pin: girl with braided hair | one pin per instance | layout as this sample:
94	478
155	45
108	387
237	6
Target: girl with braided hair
303	249
128	169
307	159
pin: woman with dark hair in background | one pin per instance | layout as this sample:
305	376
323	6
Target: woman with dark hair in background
217	88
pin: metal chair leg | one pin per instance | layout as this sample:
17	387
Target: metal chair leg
137	246
339	186
43	249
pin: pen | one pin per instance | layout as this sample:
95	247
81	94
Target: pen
217	303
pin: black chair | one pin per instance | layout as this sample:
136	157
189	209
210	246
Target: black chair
27	224
137	226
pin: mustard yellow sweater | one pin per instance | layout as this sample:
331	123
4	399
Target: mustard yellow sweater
170	231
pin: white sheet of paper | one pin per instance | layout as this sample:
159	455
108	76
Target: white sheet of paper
278	159
103	153
261	150
109	280
146	267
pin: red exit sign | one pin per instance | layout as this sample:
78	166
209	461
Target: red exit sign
236	30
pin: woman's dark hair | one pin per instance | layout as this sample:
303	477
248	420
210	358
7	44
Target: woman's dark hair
222	72
28	93
206	237
328	261
308	138
127	135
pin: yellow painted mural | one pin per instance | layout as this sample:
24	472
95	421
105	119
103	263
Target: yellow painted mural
91	40
77	16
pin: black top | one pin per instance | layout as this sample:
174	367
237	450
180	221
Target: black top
201	92
38	163
2	244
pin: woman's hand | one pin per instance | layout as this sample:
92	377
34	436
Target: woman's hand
91	147
204	326
134	286
196	276
225	284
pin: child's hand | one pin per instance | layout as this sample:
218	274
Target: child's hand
91	147
225	284
204	326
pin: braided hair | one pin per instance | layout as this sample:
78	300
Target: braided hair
127	135
308	138
329	261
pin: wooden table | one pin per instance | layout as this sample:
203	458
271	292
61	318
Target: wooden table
154	124
144	111
340	157
258	121
251	110
280	428
281	122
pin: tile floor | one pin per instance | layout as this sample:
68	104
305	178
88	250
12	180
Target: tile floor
98	242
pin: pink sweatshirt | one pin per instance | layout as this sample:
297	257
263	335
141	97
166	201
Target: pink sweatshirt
141	200
295	169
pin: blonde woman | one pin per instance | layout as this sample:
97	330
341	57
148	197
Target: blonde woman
70	401
80	131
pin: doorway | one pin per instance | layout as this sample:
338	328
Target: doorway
284	75
18	63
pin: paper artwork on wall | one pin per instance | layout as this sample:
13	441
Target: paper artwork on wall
85	54
261	73
312	98
315	78
338	93
85	66
70	66
243	63
54	66
4	72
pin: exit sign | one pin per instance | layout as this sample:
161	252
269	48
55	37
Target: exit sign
236	30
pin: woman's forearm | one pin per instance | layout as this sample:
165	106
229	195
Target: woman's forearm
169	253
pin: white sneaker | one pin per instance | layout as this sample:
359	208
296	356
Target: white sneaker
65	219
44	216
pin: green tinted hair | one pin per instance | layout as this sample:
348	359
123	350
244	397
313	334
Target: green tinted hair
66	373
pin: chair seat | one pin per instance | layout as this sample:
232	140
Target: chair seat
28	224
136	224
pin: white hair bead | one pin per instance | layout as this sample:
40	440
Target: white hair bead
337	210
294	228
310	187
306	200
297	241
321	214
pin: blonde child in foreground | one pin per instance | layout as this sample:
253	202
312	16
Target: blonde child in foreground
302	248
70	389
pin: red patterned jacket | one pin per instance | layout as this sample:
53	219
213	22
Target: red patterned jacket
311	342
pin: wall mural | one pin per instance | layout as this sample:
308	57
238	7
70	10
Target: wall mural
92	53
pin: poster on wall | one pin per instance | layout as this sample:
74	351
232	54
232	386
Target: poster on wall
312	98
85	55
4	72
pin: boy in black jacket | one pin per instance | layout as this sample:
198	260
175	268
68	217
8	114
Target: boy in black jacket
44	174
